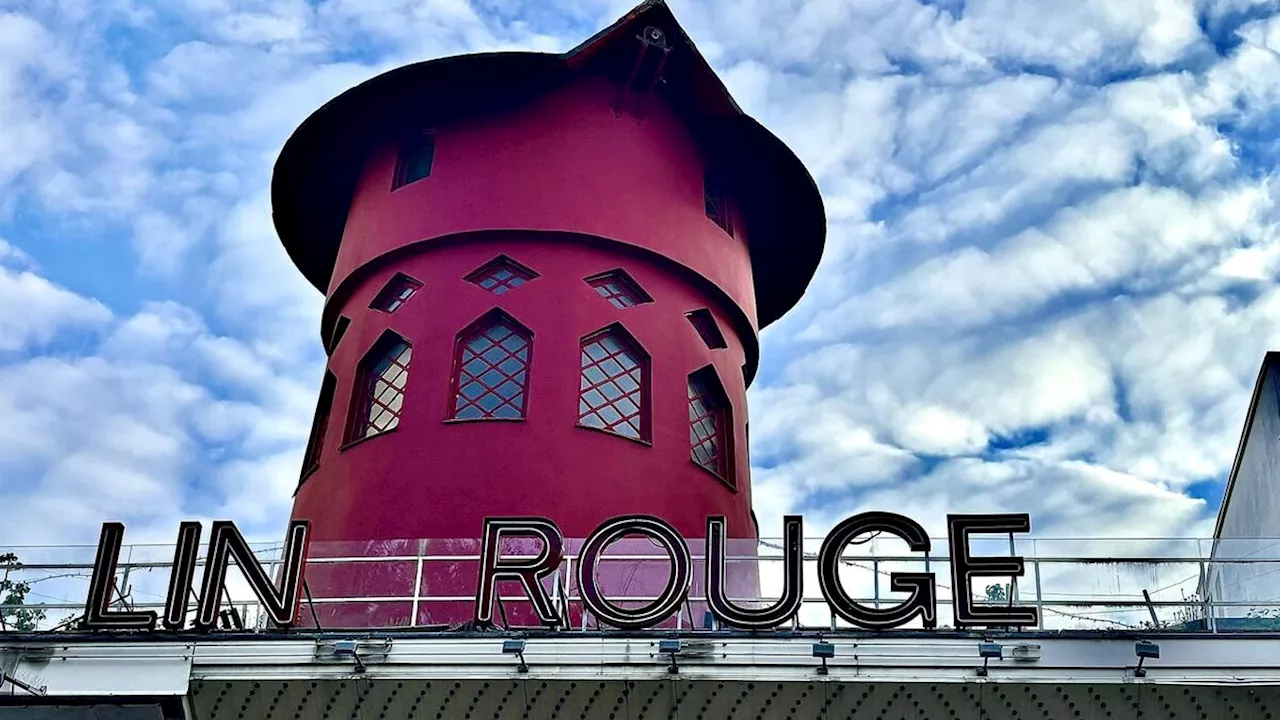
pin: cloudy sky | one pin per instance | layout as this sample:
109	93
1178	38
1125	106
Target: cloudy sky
1049	283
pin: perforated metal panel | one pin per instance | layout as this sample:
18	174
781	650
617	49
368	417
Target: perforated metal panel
532	699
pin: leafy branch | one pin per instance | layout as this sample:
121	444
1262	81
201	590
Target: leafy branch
14	593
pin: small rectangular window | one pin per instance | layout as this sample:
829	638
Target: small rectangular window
717	201
413	163
339	329
705	324
617	287
395	293
315	444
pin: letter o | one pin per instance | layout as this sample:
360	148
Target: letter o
669	600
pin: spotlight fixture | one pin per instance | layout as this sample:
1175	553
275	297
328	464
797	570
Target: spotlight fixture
1144	649
358	651
986	651
516	647
349	649
670	647
825	651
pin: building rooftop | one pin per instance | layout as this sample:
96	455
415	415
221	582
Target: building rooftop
316	172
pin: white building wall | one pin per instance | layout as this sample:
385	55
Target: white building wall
1249	522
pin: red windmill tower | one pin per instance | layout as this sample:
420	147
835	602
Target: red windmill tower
545	275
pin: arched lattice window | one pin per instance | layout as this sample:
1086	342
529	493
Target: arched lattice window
491	369
379	389
614	391
319	424
710	425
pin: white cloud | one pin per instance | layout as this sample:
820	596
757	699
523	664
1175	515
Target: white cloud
1147	32
937	430
36	310
1019	249
1069	499
27	135
1135	235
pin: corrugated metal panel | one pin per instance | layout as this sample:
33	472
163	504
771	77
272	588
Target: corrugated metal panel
530	699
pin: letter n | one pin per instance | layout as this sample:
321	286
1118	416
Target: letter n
280	603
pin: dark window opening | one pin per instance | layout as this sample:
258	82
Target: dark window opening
395	293
710	426
379	390
319	424
501	275
716	200
619	289
707	328
614	389
491	370
413	162
339	329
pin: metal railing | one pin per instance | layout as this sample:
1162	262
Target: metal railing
1152	585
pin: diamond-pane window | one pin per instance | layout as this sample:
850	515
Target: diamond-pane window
380	388
613	389
709	425
413	162
707	328
501	275
716	201
395	293
320	423
491	370
619	289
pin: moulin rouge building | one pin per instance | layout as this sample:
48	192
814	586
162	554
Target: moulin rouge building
545	278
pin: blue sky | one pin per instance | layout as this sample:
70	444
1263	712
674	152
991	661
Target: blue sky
1050	277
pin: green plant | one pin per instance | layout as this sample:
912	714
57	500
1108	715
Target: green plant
14	593
996	593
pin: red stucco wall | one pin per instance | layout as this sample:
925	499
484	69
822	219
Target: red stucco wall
570	189
432	478
566	162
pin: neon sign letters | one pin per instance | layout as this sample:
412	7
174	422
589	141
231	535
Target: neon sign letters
280	597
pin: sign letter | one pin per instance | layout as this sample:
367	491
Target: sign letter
675	592
965	567
792	570
280	604
529	572
923	600
97	615
181	575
